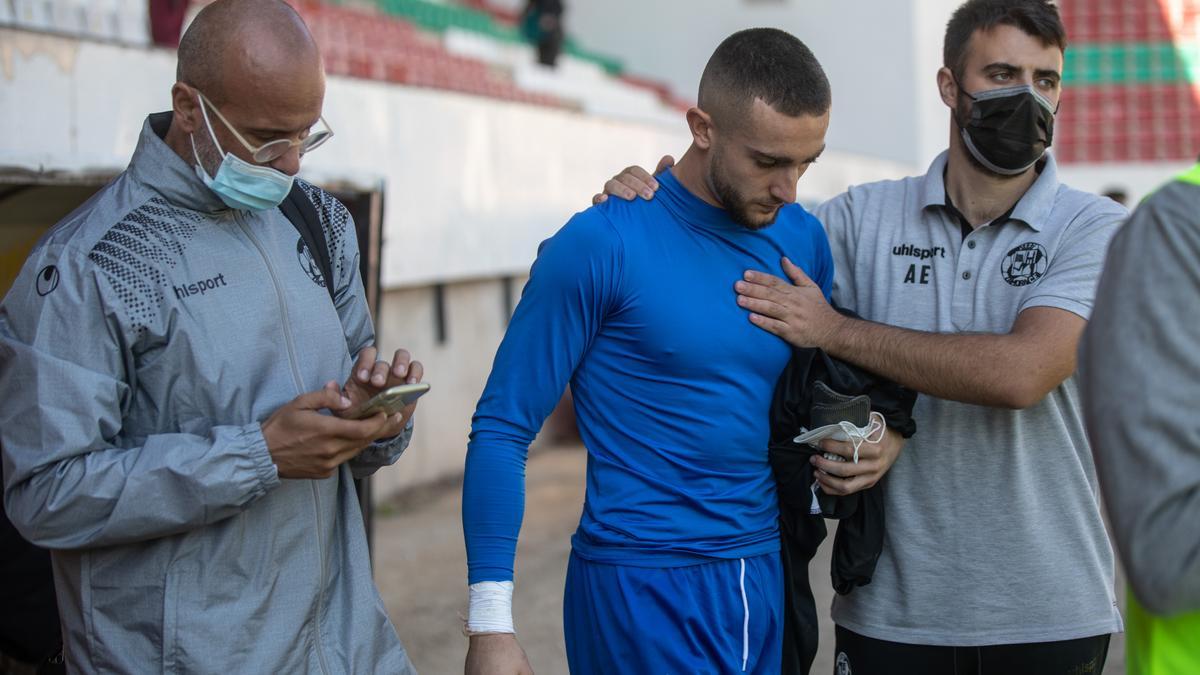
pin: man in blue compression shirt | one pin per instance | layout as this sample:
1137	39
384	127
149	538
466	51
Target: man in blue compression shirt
675	564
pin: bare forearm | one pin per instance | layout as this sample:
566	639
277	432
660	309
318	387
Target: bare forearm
1011	370
979	368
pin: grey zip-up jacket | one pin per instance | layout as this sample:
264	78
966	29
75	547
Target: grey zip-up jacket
145	340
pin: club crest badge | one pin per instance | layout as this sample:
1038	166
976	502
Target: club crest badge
1024	264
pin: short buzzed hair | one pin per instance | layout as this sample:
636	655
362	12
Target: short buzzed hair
1036	18
764	63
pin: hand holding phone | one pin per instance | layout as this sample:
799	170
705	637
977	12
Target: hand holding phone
390	401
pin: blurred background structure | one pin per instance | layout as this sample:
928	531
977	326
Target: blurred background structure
458	152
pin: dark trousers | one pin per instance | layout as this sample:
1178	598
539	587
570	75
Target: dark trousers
30	636
862	655
800	535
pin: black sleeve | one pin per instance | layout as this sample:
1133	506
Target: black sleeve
859	539
29	625
789	412
792	399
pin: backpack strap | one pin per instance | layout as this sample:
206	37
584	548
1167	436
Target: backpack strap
303	216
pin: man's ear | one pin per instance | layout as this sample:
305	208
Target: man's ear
186	108
701	126
947	87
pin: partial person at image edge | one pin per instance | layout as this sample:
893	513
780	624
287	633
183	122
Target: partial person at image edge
1140	369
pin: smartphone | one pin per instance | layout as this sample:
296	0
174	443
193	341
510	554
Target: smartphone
391	400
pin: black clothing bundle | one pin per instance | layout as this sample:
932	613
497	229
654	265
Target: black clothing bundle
859	539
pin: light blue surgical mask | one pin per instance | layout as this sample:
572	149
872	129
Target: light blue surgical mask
240	184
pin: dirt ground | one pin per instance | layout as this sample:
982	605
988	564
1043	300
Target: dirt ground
420	566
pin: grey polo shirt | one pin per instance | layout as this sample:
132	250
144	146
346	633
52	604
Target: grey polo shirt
994	534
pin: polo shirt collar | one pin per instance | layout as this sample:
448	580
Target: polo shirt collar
1032	208
933	183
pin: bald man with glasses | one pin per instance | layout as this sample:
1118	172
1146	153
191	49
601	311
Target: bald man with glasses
174	380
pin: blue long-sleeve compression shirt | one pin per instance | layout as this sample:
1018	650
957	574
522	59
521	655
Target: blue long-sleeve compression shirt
632	303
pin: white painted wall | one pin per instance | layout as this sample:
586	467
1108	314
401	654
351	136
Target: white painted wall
1138	180
932	117
126	21
471	187
881	56
475	323
76	106
868	48
471	184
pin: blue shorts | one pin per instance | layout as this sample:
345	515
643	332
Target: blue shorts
724	616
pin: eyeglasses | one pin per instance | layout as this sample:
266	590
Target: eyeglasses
273	150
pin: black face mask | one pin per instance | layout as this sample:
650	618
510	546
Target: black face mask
1009	129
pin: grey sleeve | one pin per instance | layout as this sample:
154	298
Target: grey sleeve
1070	280
73	475
382	453
355	315
1140	371
838	218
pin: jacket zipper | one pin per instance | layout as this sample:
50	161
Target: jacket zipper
299	382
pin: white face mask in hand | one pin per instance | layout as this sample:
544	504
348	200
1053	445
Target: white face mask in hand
845	431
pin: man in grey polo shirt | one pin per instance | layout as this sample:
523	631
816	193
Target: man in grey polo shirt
976	281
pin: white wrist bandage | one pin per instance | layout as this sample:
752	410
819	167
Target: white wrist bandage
490	608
